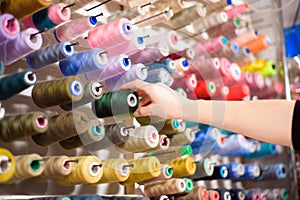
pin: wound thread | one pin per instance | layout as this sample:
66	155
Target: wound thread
165	187
182	167
7	165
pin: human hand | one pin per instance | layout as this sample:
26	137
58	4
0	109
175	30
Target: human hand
159	100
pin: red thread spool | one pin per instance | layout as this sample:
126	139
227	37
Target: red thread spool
225	67
204	69
238	92
210	46
110	34
260	43
205	90
188	53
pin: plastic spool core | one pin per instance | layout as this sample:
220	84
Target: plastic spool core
30	78
225	90
93	20
246	51
5	164
97	89
68	48
41	121
241	195
35	165
11	26
169	171
33	38
216	63
140	40
165	141
66	165
227	196
94	169
123	170
97	130
131	100
2	111
102	58
240	169
124	132
224	172
256	171
127	28
224	41
75	88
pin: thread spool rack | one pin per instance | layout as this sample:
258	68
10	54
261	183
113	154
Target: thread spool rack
262	22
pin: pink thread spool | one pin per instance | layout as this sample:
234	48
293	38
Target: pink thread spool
204	69
236	10
171	37
238	92
234	75
189	81
188	53
24	44
116	66
246	77
258	82
221	93
56	13
10	27
225	67
128	47
269	92
245	60
75	28
110	34
244	38
210	46
224	28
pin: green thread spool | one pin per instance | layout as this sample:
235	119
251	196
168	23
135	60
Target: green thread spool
57	92
147	120
12	85
269	70
95	133
63	126
120	103
92	91
188	185
18	126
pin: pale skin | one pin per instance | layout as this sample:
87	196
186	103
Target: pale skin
264	120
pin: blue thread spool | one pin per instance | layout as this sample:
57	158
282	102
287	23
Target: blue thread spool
219	172
15	83
265	149
190	124
83	62
232	144
252	171
235	170
160	76
167	64
273	172
249	147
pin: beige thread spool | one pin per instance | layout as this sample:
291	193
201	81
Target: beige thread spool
144	168
168	127
63	126
176	5
130	13
214	6
182	167
18	126
141	139
27	166
166	187
184	137
115	170
95	133
87	170
7	165
166	172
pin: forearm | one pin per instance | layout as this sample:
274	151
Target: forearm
265	120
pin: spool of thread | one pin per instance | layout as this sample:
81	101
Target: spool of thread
187	15
271	195
122	102
269	70
205	90
13	84
2	68
185	137
210	46
147	120
55	166
8	165
60	91
160	76
48	18
225	67
107	35
23	8
237	194
10	28
162	197
204	69
167	64
188	185
18	126
248	147
251	194
270	92
83	62
92	91
245	60
75	28
181	65
27	166
49	55
114	171
260	43
228	51
219	172
143	169
27	42
265	149
242	39
284	194
224	28
141	139
95	132
214	5
258	82
238	92
235	170
114	67
233	143
165	187
61	127
252	171
138	71
130	13
182	167
168	127
86	170
152	53
176	5
236	10
198	193
246	77
235	75
273	172
115	134
213	195
2	111
172	153
204	168
211	20
256	66
163	144
223	193
166	172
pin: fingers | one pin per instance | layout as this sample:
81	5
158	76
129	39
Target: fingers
145	101
143	110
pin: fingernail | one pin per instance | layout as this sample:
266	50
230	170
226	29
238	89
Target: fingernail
136	113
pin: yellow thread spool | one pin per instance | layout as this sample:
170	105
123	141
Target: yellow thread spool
7	165
166	187
182	167
147	120
87	170
168	127
27	166
115	170
63	126
255	66
143	169
57	92
141	139
24	8
56	166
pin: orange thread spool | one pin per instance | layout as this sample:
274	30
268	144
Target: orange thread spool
260	43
